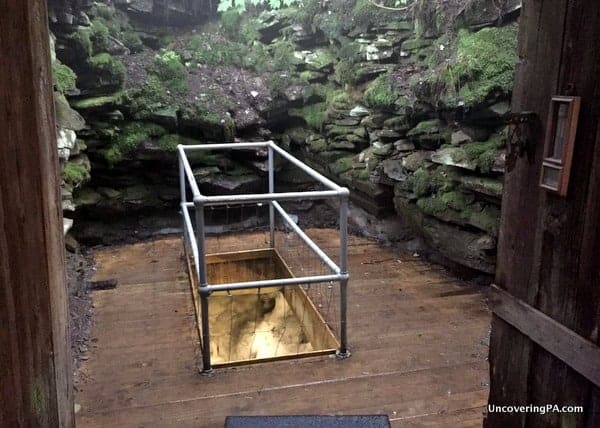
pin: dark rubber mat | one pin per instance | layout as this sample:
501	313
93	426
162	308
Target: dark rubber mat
367	421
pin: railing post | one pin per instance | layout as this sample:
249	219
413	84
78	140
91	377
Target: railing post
271	166
203	286
182	186
343	352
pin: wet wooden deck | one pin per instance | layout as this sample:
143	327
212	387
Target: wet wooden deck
418	338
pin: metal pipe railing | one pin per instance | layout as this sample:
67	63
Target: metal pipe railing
311	244
195	237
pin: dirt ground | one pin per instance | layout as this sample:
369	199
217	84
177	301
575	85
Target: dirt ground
79	267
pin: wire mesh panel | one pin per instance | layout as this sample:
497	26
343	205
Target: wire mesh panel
271	292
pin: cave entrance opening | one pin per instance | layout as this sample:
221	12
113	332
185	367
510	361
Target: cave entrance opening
272	297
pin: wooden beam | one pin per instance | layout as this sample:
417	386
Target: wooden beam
35	373
577	352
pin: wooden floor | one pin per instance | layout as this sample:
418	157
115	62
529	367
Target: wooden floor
418	339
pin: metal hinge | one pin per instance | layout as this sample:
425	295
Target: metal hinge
519	142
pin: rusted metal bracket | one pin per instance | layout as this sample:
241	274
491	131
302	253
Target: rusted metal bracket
519	137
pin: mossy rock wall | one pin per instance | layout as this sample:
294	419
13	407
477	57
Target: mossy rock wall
406	110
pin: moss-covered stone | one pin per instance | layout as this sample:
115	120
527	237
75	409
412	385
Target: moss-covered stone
100	36
484	153
170	142
315	115
428	181
75	173
460	208
212	50
342	165
485	63
171	71
105	101
63	77
381	94
108	69
129	139
366	14
80	41
482	185
66	117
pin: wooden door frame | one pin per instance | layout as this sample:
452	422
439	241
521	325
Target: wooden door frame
35	356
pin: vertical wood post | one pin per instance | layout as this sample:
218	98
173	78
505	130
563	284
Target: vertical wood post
35	373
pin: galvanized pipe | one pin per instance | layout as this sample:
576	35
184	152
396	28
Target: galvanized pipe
256	198
284	282
203	287
311	244
343	351
224	146
189	173
182	186
314	174
189	232
271	191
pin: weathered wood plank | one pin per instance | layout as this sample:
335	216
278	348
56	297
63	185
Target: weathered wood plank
577	352
424	359
35	357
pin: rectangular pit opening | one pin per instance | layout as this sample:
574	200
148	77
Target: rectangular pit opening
262	324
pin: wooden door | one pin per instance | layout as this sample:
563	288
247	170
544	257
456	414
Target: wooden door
545	330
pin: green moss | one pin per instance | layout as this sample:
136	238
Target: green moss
461	208
169	142
74	173
283	55
366	14
100	35
96	102
453	200
484	153
81	42
277	82
345	69
102	10
168	66
210	49
381	94
331	24
136	132
230	22
106	64
63	77
485	62
315	115
307	12
151	97
112	155
132	40
486	218
171	72
425	182
342	165
129	139
207	116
